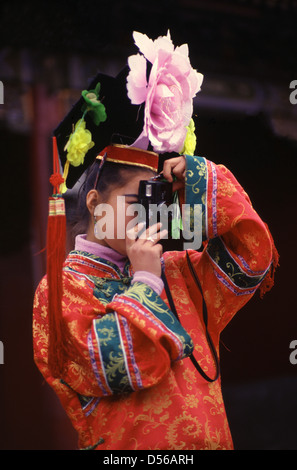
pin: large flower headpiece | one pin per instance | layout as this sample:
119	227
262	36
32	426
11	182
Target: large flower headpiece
167	94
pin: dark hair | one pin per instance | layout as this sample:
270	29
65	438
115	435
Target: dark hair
112	175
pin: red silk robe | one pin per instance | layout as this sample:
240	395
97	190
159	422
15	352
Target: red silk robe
128	382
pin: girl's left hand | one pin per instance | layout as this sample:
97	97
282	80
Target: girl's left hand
177	166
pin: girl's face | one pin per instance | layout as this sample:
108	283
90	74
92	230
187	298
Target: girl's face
113	216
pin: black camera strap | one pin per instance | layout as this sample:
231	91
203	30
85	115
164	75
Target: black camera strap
205	319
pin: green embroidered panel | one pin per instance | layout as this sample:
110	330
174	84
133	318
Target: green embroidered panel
112	354
102	261
196	194
228	265
106	288
154	303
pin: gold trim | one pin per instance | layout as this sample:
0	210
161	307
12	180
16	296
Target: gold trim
99	157
143	165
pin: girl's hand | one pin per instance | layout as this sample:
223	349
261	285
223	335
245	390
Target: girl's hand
145	252
177	166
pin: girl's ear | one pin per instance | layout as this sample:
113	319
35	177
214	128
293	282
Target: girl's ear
92	200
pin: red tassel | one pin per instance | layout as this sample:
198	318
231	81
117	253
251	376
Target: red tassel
56	243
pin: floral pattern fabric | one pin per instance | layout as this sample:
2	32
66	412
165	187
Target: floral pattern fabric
128	383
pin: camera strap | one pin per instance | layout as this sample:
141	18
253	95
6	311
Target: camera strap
205	319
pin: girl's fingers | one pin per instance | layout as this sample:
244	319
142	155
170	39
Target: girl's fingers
157	237
151	232
179	169
162	234
137	232
133	233
175	166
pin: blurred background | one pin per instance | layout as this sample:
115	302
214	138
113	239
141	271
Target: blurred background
247	51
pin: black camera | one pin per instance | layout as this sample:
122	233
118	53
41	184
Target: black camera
156	205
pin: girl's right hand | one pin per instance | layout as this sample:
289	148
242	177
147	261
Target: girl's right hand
145	252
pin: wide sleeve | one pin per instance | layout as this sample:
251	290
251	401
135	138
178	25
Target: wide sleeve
122	346
237	250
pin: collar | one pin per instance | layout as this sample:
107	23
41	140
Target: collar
92	259
103	252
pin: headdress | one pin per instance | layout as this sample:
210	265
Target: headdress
143	112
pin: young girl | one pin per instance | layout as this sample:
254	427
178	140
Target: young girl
129	379
128	382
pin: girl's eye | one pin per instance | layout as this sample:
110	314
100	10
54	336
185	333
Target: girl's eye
131	202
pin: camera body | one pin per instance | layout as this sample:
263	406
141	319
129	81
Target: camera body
155	197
